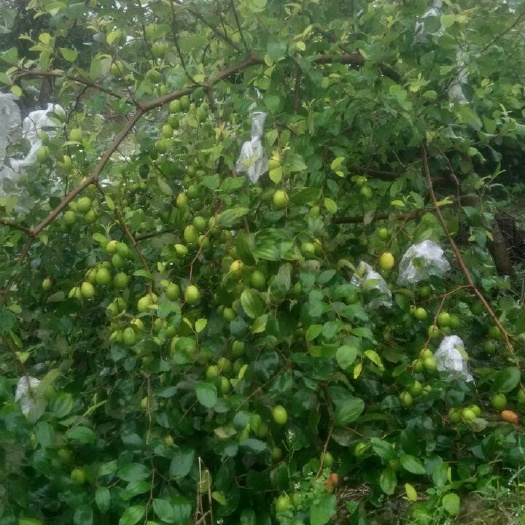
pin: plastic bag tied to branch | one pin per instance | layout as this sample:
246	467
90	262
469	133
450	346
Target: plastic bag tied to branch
421	261
372	282
253	159
452	357
24	393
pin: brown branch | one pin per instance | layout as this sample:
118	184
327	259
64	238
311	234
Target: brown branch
61	74
459	258
15	225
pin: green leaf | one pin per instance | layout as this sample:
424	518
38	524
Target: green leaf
349	411
412	464
164	510
253	446
7	320
206	393
132	515
164	187
374	357
506	380
229	218
447	20
330	205
345	356
383	449
83	515
259	325
323	510
62	404
211	181
134	488
252	303
388	481
313	331
182	462
201	324
69	54
82	435
134	472
182	509
44	433
103	499
451	503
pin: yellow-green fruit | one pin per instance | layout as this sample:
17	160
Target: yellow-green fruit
111	247
175	106
47	284
280	415
430	364
190	234
185	103
282	503
327	459
103	277
121	280
308	249
212	371
199	223
237	348
228	314
70	217
406	399
181	200
123	250
420	313
129	337
42	154
83	205
382	234
498	401
173	291
366	192
386	261
280	199
87	290
443	319
274	164
75	135
181	249
192	294
468	414
454	415
167	131
277	454
494	332
433	331
78	477
258	279
29	521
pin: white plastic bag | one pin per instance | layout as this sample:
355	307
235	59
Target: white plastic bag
451	357
368	279
24	393
421	261
252	159
10	120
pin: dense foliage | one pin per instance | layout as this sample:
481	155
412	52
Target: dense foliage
207	347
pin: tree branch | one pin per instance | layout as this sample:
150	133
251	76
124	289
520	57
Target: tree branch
61	74
459	258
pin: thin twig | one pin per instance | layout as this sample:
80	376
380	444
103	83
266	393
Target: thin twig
216	32
236	16
459	258
503	33
61	74
15	225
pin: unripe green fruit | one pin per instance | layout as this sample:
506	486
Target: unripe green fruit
78	477
308	249
280	199
47	284
443	319
129	337
167	131
111	247
386	261
382	234
282	503
117	261
181	249
70	217
406	399
366	192
121	280
199	223
87	290
75	135
212	371
498	401
228	314
103	277
430	364
190	234
175	106
494	332
237	348
123	250
258	279
280	415
420	313
185	103
182	200
173	292
454	415
83	205
192	294
42	154
468	414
